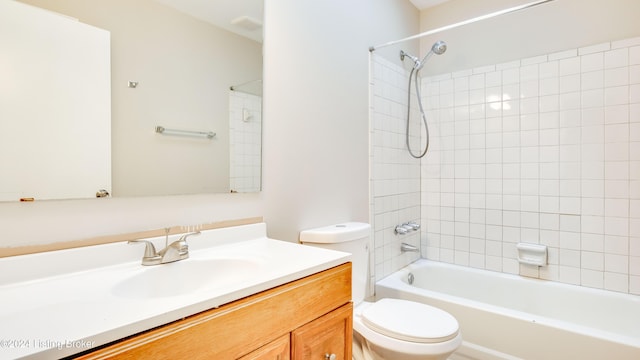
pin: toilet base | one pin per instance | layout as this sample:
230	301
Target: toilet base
370	345
363	350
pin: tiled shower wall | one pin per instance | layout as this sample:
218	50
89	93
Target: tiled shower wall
245	138
395	176
539	150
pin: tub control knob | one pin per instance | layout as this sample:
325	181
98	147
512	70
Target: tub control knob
400	230
414	225
330	356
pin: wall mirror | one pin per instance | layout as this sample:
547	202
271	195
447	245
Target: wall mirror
186	67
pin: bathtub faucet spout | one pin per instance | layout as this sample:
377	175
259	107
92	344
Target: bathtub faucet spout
404	247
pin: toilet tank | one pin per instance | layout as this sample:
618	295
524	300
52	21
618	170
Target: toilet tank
351	237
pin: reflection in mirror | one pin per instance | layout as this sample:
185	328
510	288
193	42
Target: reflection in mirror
182	68
245	129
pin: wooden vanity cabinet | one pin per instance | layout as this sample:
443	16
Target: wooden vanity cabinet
310	318
325	336
275	350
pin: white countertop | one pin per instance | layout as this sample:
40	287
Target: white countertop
64	302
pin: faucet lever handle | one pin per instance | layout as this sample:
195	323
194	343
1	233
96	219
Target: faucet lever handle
185	236
149	250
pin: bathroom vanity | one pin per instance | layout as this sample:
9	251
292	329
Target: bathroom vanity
304	319
239	295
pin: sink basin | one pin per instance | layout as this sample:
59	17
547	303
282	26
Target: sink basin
185	277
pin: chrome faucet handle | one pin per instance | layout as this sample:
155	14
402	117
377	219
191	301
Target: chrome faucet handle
182	245
185	236
400	230
414	225
149	250
150	257
177	250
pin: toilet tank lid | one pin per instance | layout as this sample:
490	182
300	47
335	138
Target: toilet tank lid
337	233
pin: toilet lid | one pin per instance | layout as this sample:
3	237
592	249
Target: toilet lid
410	321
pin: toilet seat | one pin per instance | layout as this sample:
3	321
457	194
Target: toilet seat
410	321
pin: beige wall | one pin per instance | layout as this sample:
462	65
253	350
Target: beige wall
316	107
547	28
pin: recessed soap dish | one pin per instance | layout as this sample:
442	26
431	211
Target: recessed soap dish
532	254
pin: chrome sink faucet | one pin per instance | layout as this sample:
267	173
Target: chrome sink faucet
176	251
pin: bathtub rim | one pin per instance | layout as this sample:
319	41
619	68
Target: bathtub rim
396	281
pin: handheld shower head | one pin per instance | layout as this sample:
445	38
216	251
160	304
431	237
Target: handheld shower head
439	47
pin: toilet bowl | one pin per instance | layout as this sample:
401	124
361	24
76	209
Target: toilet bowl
388	329
405	330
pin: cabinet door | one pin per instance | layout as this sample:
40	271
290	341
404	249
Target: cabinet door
275	350
325	337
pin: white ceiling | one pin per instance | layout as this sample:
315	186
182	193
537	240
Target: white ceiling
424	4
222	12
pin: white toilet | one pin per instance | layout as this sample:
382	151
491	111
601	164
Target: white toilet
388	329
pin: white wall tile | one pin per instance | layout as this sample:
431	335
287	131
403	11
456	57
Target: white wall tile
563	54
616	95
570	223
528	72
634	265
592	80
634	74
569	241
592	62
616	58
592	260
570	118
592	206
634	208
549	69
530	88
616	263
616	282
569	66
592	278
596	98
592	188
569	274
634	55
616	245
616	77
634	93
544	149
594	48
593	116
617	189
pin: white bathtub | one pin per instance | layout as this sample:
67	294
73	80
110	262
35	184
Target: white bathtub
506	316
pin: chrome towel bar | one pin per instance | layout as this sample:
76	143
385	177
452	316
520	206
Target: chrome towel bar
165	131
